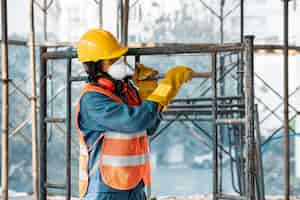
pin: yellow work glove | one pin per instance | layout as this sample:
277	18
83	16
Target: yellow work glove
169	86
143	72
141	79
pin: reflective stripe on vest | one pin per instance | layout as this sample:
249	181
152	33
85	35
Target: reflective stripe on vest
84	150
124	159
83	175
116	135
127	163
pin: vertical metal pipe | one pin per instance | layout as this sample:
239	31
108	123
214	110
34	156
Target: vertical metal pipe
257	156
120	16
137	59
286	100
240	69
242	134
240	165
250	146
259	160
242	158
33	100
222	4
241	40
43	126
242	3
240	92
45	4
221	126
125	21
214	124
222	92
5	101
100	4
238	155
68	125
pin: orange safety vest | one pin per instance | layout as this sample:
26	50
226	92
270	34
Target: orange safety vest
124	159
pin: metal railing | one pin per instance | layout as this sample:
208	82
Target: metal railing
214	108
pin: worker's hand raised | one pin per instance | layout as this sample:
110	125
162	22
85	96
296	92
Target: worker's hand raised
169	86
178	75
143	72
142	79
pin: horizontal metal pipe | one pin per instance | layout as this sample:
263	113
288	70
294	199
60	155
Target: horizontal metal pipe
192	100
16	42
231	196
170	118
199	111
194	75
160	76
165	50
55	120
41	43
79	78
176	50
55	186
275	47
178	106
230	121
269	48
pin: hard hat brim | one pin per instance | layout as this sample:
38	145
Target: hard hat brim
116	54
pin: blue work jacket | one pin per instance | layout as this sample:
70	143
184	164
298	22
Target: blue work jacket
99	113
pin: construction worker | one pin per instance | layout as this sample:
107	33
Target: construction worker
114	122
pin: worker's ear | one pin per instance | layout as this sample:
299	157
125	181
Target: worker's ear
107	63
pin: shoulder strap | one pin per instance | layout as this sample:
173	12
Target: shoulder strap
94	88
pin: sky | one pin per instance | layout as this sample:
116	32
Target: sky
17	22
18	19
18	15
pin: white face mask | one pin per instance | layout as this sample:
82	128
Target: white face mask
120	69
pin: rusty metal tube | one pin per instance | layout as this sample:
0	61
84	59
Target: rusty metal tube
45	19
33	100
286	99
214	124
162	50
125	22
43	127
100	4
249	102
5	101
68	127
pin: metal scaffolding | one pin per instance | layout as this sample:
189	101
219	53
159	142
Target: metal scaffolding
286	98
237	112
243	117
5	102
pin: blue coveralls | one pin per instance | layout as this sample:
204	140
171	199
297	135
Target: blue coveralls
99	113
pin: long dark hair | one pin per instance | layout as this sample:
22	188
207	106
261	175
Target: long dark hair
94	70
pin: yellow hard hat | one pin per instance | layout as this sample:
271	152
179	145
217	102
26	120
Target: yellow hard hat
98	44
